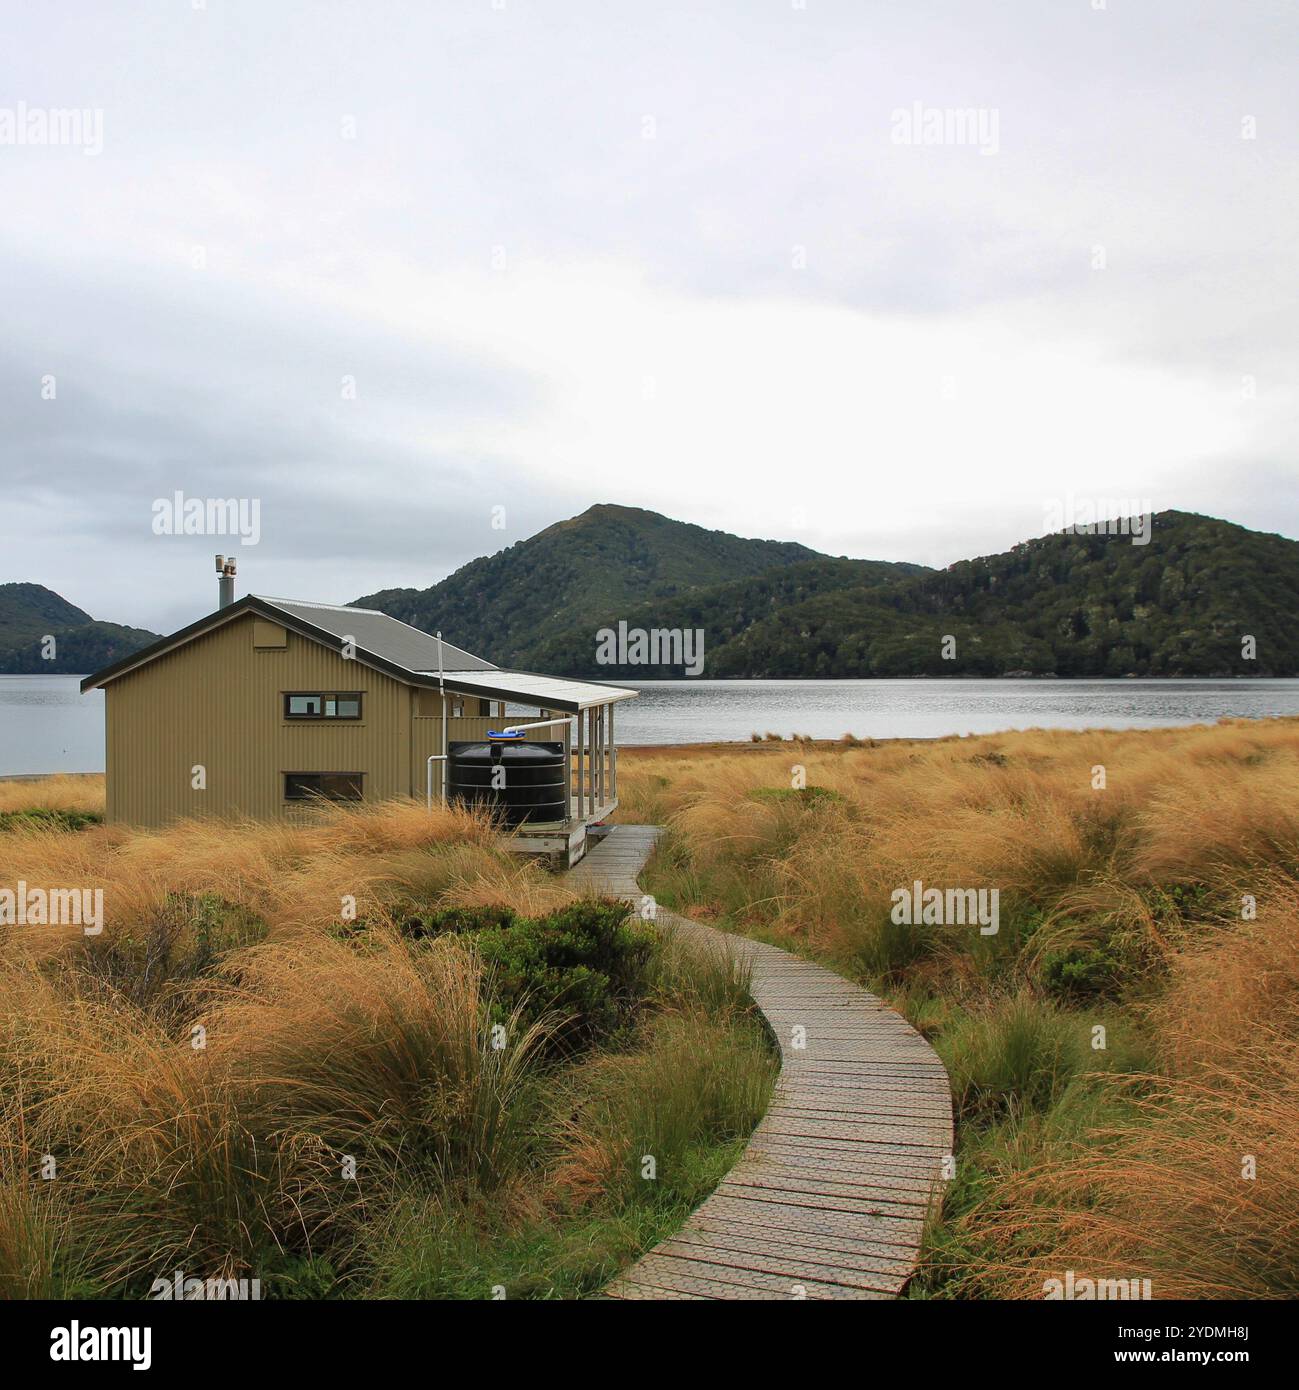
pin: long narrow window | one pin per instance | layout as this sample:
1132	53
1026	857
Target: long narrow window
325	786
322	704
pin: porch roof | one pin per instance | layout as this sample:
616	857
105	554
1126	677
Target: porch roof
528	688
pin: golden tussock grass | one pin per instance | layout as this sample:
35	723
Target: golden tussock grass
316	1045
262	1065
291	876
66	792
1015	811
1128	905
315	1054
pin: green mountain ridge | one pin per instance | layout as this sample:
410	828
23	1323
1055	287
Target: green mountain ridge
725	613
1061	605
570	576
30	612
1089	604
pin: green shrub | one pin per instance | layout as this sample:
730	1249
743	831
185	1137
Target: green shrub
415	921
588	962
1083	973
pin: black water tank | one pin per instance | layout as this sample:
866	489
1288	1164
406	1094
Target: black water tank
531	786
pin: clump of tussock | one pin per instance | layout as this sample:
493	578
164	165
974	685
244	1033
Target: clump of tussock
1193	1188
697	1075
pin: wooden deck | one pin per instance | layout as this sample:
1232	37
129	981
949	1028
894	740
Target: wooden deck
829	1199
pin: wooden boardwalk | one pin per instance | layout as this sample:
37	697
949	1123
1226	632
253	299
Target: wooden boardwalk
829	1199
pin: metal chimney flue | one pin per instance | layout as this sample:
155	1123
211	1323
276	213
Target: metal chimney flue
225	565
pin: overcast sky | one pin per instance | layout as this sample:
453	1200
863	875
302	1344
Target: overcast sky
693	256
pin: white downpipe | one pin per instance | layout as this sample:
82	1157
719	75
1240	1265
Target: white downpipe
442	687
540	724
442	756
433	758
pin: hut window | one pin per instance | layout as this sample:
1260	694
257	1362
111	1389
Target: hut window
322	704
327	786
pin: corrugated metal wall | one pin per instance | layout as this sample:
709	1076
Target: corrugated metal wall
218	702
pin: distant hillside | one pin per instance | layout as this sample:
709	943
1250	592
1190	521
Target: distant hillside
1065	605
30	612
1062	605
571	577
726	613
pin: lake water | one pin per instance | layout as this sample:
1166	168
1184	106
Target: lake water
46	725
704	711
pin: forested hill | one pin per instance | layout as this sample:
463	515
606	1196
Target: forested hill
29	613
728	613
1065	604
1093	604
568	578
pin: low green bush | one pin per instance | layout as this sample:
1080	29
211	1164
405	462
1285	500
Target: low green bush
1083	973
588	962
458	920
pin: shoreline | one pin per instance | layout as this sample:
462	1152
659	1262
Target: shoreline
604	679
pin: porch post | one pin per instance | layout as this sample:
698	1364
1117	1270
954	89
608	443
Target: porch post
590	768
568	771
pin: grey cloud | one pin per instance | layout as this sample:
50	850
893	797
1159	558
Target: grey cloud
521	129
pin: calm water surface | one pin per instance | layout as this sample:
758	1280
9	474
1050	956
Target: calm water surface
46	725
703	711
